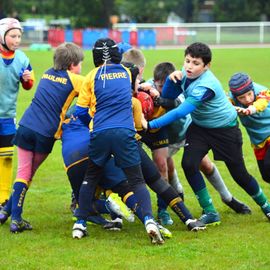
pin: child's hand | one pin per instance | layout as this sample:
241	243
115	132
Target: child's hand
145	86
248	111
26	75
176	76
154	93
144	123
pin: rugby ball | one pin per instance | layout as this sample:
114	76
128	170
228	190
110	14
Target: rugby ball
147	104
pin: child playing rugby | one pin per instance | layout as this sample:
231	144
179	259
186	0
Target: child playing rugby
214	127
41	125
15	68
251	101
106	93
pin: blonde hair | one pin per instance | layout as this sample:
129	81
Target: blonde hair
66	54
134	56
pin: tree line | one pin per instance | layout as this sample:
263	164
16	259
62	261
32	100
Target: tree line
97	13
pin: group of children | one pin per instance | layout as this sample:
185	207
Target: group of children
191	111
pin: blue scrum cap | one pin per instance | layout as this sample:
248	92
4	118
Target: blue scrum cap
240	83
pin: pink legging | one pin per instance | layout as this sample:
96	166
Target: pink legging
28	163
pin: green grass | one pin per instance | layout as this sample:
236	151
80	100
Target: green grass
240	242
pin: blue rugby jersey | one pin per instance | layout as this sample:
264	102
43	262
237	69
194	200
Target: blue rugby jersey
257	124
75	142
107	92
215	112
55	92
10	73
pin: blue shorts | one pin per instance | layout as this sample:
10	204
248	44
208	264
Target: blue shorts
7	126
30	140
119	142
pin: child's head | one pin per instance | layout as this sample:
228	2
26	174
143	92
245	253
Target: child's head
105	49
134	75
199	50
241	87
197	59
68	56
136	57
10	33
161	72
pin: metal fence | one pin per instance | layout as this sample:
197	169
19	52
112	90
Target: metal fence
211	33
152	35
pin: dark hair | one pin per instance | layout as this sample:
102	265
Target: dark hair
134	70
199	50
163	70
105	49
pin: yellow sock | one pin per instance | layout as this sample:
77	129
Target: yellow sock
6	157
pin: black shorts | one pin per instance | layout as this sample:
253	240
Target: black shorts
30	140
157	139
226	143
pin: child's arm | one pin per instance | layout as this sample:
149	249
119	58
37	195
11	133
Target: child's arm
262	101
137	113
181	111
172	86
84	100
27	78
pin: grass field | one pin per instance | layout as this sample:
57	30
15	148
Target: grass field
240	242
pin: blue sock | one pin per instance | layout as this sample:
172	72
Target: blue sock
143	196
100	207
8	205
132	203
162	205
179	207
19	191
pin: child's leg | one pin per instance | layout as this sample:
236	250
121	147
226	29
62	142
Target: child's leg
162	188
6	158
264	166
190	164
28	163
76	175
240	174
173	177
212	174
87	190
124	190
135	178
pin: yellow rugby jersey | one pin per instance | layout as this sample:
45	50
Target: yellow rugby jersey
106	91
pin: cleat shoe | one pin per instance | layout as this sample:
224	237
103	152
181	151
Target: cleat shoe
20	226
114	204
114	225
164	232
266	210
210	219
79	229
153	232
164	217
195	225
3	216
238	206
